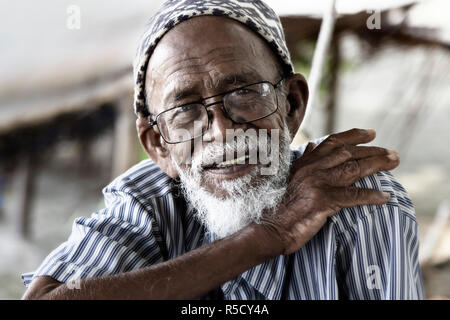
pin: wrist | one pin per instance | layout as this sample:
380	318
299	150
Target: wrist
267	238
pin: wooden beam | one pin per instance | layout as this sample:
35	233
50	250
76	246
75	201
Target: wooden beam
2	194
332	86
125	142
25	175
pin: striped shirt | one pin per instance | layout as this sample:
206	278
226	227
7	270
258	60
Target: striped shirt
363	252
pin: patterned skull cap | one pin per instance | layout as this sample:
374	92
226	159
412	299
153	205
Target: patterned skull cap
255	14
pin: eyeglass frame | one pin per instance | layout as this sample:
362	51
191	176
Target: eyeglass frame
277	85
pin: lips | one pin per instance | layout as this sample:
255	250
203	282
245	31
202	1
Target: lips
230	169
240	160
217	163
229	172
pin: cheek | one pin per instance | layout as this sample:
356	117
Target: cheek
275	121
181	153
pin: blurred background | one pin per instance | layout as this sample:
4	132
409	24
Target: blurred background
67	126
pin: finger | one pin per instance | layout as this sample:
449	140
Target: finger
353	137
313	161
353	170
371	165
349	152
360	152
356	136
352	196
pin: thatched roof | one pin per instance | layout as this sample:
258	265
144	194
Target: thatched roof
409	22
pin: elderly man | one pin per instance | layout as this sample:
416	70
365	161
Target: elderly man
201	219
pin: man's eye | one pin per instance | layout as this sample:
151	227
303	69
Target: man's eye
185	114
186	108
243	91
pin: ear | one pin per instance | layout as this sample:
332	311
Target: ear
151	141
296	100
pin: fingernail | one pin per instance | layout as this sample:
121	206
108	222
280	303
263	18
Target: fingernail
393	155
372	131
386	195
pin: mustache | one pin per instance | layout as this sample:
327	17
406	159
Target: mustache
215	153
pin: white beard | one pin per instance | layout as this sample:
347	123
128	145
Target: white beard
248	196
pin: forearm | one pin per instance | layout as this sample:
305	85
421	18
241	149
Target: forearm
189	276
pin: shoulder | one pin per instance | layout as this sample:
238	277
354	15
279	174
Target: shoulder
395	214
144	181
398	208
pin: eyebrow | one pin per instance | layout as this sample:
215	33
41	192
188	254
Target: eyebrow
183	94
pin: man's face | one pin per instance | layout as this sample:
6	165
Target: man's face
203	57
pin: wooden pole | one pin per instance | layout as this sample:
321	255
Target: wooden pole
323	43
332	86
2	191
435	232
25	175
125	148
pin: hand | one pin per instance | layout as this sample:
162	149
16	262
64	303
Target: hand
320	185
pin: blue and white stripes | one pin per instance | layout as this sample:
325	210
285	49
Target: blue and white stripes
364	252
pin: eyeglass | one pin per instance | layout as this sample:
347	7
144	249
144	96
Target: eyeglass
241	105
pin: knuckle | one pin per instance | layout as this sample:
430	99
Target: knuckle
381	151
316	194
376	151
345	152
351	168
332	140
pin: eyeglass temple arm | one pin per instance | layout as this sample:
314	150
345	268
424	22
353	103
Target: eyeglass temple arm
151	122
278	84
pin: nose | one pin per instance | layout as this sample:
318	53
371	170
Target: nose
219	122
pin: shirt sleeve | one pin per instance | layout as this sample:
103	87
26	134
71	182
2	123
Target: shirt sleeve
119	238
377	246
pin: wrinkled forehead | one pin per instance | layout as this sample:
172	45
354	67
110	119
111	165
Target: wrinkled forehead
204	40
